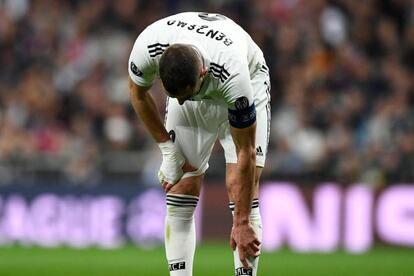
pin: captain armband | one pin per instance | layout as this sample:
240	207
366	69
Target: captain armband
244	115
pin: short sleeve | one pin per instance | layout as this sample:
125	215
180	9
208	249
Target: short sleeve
141	68
238	85
238	94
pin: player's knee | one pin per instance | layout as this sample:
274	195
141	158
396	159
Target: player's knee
188	186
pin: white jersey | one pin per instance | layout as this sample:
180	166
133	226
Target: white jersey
229	53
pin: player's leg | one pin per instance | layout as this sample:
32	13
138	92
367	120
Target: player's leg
195	141
180	232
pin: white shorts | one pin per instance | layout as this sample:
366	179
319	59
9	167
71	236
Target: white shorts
196	125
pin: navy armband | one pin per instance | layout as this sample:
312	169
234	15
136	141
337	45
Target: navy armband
244	115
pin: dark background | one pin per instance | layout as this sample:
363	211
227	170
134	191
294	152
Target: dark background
342	89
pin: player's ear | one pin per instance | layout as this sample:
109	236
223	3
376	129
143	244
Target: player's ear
203	72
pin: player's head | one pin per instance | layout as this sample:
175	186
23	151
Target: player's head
181	71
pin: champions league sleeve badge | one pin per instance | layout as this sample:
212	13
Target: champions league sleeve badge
135	70
244	115
241	103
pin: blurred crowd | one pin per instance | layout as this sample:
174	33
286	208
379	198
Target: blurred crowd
342	88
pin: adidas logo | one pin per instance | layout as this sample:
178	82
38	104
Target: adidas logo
259	151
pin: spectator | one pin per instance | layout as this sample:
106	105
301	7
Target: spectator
343	92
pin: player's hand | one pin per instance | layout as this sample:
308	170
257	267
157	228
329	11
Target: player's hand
171	169
245	240
186	168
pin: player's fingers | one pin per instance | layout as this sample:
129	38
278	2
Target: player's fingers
242	256
253	253
232	244
254	247
167	186
257	242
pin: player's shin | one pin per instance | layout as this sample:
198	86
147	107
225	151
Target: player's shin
180	237
256	221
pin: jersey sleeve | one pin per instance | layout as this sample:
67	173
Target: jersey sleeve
238	94
141	68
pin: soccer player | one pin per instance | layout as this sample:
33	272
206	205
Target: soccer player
218	85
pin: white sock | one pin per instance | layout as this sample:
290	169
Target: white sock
256	221
180	234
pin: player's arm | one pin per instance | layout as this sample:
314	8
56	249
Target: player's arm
142	71
147	110
243	235
242	119
173	163
244	140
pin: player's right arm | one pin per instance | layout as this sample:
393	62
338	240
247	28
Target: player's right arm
142	70
147	110
173	163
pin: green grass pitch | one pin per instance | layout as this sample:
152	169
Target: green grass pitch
211	259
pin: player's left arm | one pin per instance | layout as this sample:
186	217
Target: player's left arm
243	235
242	119
244	140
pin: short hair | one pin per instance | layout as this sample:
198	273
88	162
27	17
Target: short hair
179	68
